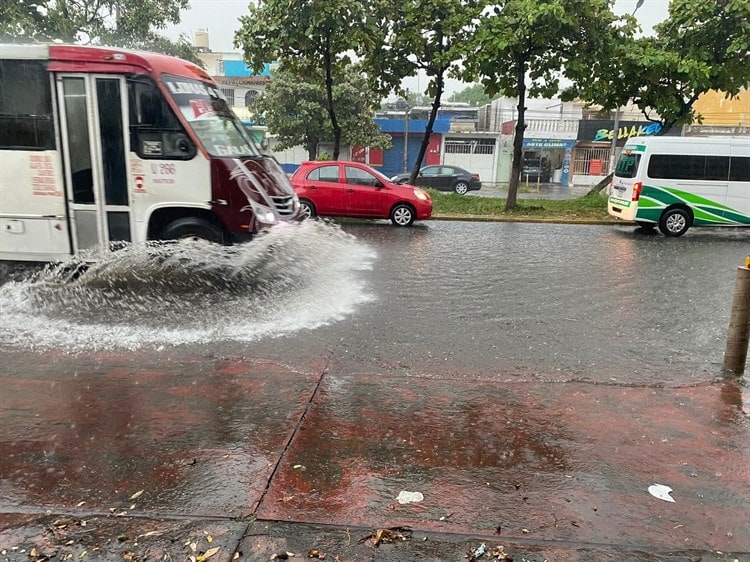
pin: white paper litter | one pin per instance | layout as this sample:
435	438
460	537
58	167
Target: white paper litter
661	491
405	497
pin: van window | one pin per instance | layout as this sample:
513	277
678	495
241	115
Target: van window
717	168
739	168
25	106
627	165
688	167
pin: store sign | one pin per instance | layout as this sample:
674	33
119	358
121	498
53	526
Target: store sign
628	132
603	130
548	143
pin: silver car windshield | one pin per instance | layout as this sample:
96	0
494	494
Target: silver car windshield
206	112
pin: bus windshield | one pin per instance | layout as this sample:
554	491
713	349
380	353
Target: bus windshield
206	112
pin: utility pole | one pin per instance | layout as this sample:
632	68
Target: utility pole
406	140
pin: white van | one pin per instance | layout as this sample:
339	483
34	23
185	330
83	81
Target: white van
679	182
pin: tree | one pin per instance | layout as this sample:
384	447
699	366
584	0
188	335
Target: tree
120	23
296	111
417	35
523	47
310	38
700	47
473	95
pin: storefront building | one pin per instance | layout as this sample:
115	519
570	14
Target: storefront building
590	159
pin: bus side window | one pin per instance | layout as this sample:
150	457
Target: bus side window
155	131
25	106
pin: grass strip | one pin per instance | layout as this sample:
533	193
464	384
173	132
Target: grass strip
592	207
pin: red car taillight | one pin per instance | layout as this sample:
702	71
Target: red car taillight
475	177
637	186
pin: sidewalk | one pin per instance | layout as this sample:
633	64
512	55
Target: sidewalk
533	191
260	460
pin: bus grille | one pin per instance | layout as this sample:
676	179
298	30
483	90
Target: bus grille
284	205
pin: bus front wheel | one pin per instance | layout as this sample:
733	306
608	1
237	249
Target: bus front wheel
674	222
192	228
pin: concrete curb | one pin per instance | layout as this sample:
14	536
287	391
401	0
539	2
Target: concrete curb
494	218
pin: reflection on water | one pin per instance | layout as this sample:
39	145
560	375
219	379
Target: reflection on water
190	292
598	302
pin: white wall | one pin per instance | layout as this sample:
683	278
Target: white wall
482	164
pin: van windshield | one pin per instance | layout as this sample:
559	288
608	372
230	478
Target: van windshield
627	165
206	112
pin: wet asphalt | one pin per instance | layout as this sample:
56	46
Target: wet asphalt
530	382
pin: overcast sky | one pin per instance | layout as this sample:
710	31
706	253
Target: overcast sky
220	18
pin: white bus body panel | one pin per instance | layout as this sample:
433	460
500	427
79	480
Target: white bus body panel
33	217
158	184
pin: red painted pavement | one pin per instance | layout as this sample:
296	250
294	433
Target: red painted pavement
531	462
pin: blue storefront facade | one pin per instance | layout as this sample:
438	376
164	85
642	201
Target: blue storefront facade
407	140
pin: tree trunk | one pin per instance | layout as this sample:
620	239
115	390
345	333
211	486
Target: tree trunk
329	98
601	185
515	171
439	85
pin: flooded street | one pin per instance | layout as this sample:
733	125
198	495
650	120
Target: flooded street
531	381
559	300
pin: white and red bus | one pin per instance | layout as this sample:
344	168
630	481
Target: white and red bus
101	146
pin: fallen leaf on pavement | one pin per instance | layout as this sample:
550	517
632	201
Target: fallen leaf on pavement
137	494
393	534
208	554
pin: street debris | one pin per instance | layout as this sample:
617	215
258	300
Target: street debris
497	553
390	535
208	554
137	495
282	555
316	554
405	497
478	552
660	491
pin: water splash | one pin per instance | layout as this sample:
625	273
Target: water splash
291	278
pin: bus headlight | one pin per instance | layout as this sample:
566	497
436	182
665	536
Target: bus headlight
264	214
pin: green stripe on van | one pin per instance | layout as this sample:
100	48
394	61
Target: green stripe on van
654	200
737	217
693	199
705	216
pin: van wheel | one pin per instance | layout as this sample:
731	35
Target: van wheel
402	215
674	222
193	228
307	209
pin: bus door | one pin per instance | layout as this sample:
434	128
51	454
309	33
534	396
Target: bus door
93	113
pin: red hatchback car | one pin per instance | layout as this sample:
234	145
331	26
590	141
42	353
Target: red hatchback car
349	189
